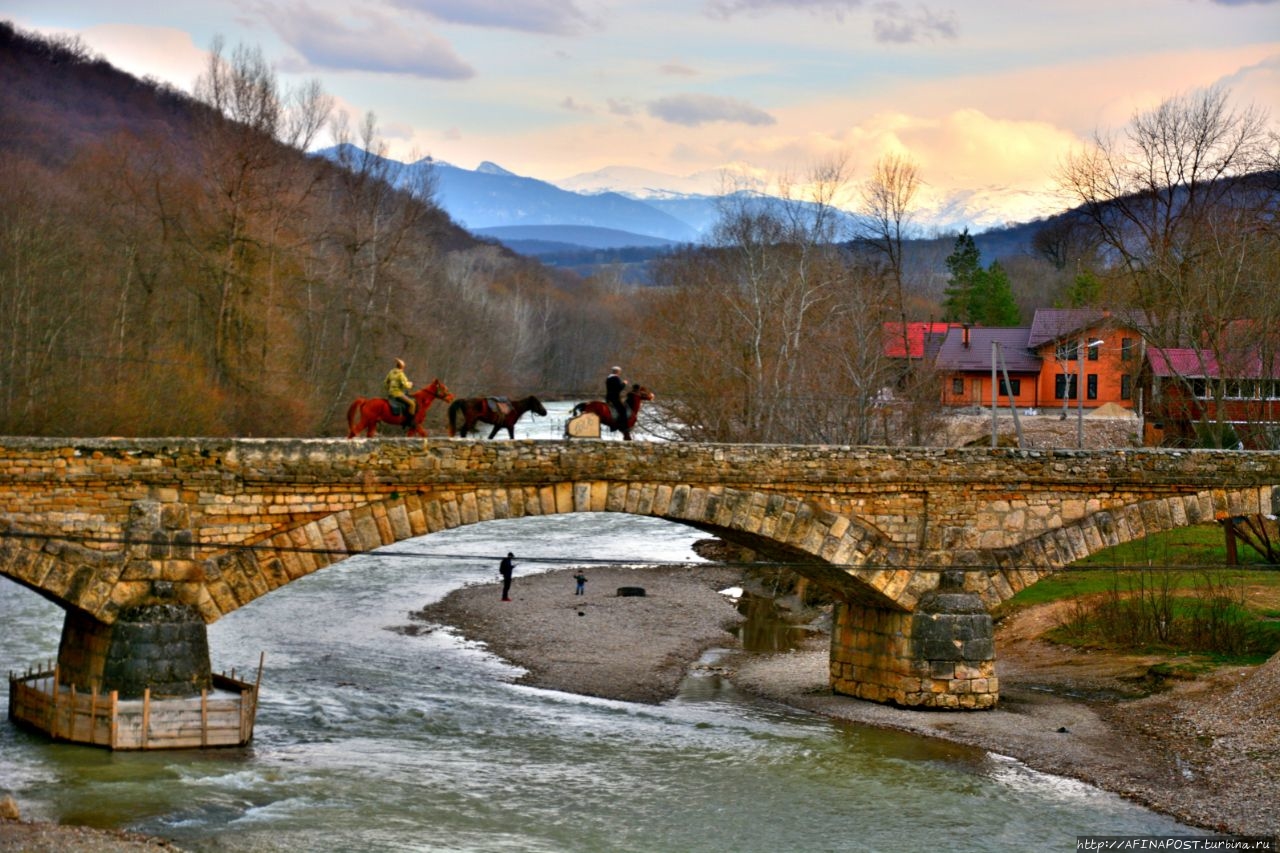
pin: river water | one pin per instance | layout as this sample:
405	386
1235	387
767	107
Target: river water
371	739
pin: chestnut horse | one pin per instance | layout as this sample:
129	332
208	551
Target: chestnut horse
366	412
604	411
501	413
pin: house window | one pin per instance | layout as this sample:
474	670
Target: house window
1064	386
1010	388
1199	388
1091	386
1243	389
1093	352
1126	349
957	387
1126	387
1068	351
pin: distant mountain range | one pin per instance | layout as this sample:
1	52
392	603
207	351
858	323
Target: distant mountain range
620	207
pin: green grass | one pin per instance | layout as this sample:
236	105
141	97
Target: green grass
1187	548
1168	574
1201	545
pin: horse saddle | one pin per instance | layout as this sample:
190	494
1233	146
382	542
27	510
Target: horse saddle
398	407
500	406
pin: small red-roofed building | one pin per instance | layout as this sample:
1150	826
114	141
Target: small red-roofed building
1190	390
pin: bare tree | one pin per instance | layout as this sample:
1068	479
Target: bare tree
244	227
773	332
888	199
1176	204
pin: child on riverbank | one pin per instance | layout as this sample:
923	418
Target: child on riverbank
582	584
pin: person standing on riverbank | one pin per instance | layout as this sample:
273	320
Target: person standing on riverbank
506	568
582	584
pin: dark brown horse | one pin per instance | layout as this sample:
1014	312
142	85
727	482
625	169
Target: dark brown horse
605	413
501	413
365	413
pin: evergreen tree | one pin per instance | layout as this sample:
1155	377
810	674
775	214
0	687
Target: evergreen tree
975	295
996	305
964	264
1085	290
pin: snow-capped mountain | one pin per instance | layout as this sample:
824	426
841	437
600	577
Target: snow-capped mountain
622	207
647	184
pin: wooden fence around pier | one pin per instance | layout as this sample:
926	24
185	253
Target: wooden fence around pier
220	717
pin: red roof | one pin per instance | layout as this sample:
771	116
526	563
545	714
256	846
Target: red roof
1201	364
917	333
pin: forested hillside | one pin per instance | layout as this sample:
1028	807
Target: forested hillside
172	264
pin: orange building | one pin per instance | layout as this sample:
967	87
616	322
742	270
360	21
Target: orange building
1189	389
1112	357
1062	353
965	360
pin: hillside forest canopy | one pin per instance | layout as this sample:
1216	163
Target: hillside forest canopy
178	264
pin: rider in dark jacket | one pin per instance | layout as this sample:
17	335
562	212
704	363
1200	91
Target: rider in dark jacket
614	385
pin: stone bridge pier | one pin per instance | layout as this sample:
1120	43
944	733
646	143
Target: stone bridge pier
145	541
941	655
156	642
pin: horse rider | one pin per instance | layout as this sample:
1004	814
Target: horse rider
397	386
614	385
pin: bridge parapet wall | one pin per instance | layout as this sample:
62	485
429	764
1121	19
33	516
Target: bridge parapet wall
95	482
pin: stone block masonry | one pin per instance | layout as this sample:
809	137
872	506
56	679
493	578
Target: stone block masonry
918	543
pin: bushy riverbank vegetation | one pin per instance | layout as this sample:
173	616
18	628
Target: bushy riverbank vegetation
1168	594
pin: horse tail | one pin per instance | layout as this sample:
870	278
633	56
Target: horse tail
579	409
454	408
351	416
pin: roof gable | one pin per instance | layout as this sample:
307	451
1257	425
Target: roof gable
1050	325
955	356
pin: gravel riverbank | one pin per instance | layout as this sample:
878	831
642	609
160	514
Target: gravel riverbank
1204	751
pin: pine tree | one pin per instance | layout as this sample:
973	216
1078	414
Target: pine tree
964	264
997	305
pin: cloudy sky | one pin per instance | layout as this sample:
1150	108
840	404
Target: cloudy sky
986	95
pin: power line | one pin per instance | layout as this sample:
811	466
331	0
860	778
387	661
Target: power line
614	561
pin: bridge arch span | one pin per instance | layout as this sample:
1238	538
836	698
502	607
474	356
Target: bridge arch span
845	554
1019	566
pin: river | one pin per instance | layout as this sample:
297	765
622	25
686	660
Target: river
370	739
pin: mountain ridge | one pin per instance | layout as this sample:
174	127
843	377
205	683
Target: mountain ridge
627	208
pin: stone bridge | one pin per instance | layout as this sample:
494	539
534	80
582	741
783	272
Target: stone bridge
916	544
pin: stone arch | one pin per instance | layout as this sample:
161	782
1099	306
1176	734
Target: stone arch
1020	566
68	574
847	555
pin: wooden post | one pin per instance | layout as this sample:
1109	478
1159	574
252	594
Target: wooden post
53	726
115	718
253	700
146	715
204	717
93	714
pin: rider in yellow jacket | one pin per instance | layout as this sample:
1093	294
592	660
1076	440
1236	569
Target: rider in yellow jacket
398	385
